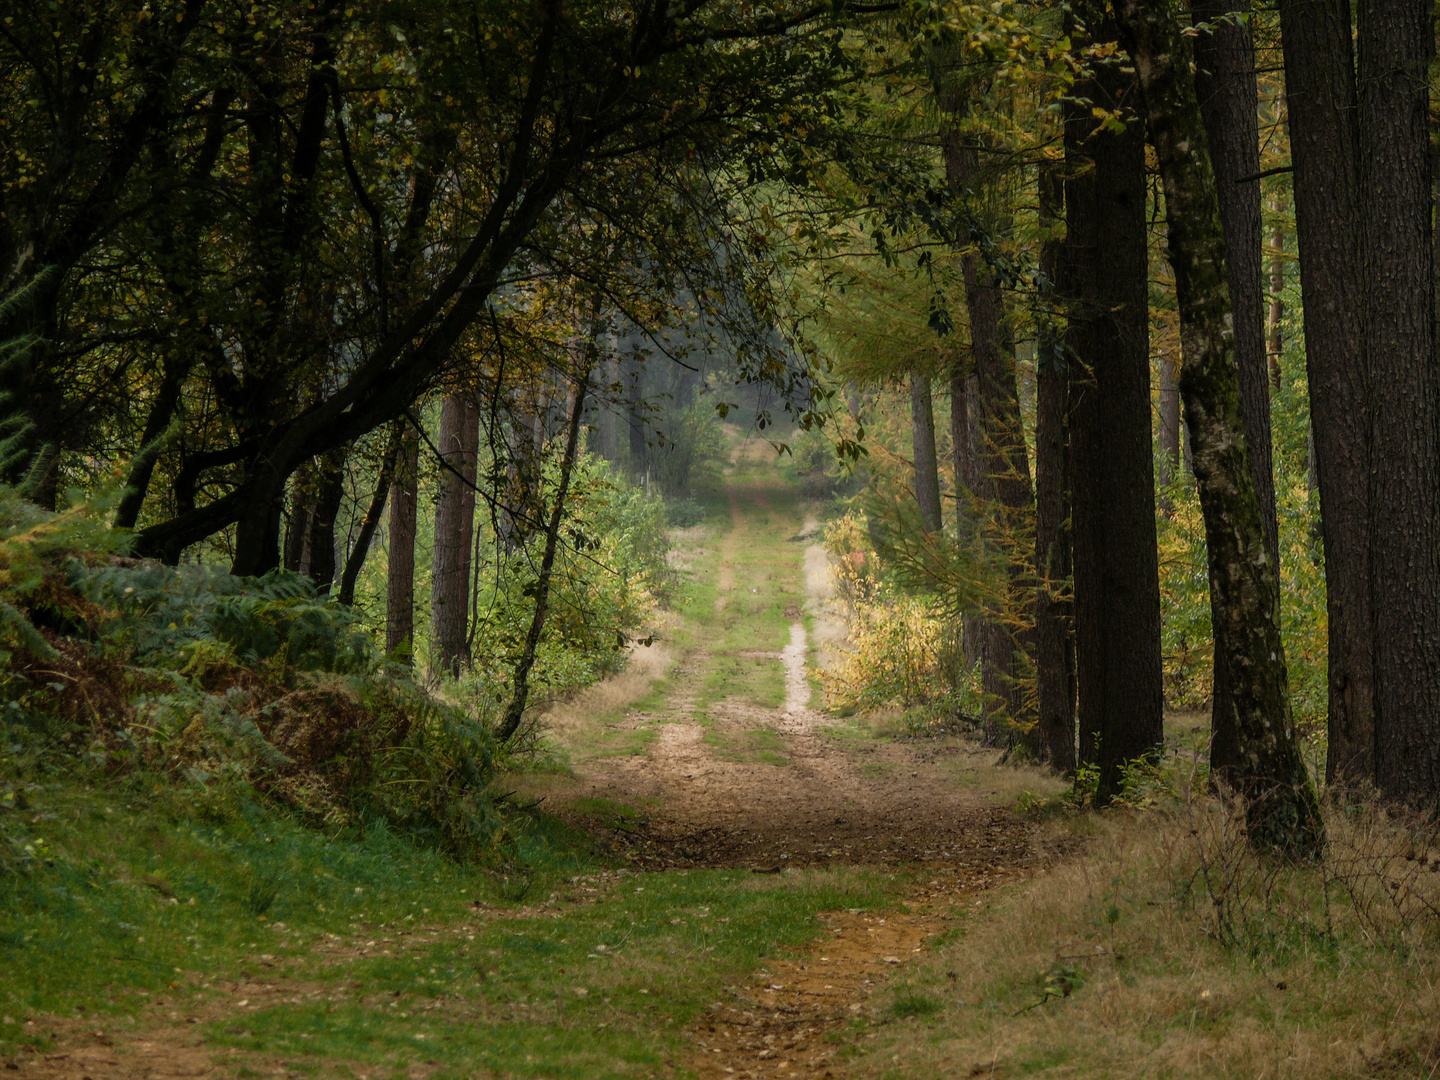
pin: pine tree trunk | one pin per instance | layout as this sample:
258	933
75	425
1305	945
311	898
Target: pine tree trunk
1321	108
1009	643
966	463
1281	810
922	440
1054	645
1117	584
400	569
1394	43
297	525
454	529
1001	491
1229	107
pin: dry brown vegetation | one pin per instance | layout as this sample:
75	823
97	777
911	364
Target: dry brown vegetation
1166	947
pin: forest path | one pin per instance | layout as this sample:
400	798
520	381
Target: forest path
732	765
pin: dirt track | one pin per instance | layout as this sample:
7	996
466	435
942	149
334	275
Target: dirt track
835	799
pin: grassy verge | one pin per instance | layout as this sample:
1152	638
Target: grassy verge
286	945
1165	948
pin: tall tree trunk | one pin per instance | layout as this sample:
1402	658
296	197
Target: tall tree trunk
297	530
1009	643
966	464
520	692
355	561
1117	584
1281	810
1229	107
1395	42
454	529
607	441
922	438
400	571
1002	487
1321	107
1054	645
1274	325
635	417
318	563
1169	409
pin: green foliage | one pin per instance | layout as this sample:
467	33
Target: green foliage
821	470
904	648
41	554
610	575
1185	599
174	615
222	684
338	750
690	449
914	1004
684	513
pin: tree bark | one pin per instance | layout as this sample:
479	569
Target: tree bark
1054	644
1281	809
1321	107
1274	325
922	440
1000	495
400	572
1007	656
454	529
966	464
1229	107
1169	409
318	562
1395	43
297	529
1117	585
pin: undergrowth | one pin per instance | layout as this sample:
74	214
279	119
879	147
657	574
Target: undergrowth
1164	945
219	686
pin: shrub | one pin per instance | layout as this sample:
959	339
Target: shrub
221	683
610	576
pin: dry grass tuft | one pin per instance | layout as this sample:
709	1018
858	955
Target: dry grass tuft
1167	948
582	714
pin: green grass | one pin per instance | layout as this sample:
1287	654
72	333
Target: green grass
103	920
761	745
768	580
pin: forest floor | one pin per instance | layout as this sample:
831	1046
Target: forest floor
735	883
730	765
706	875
